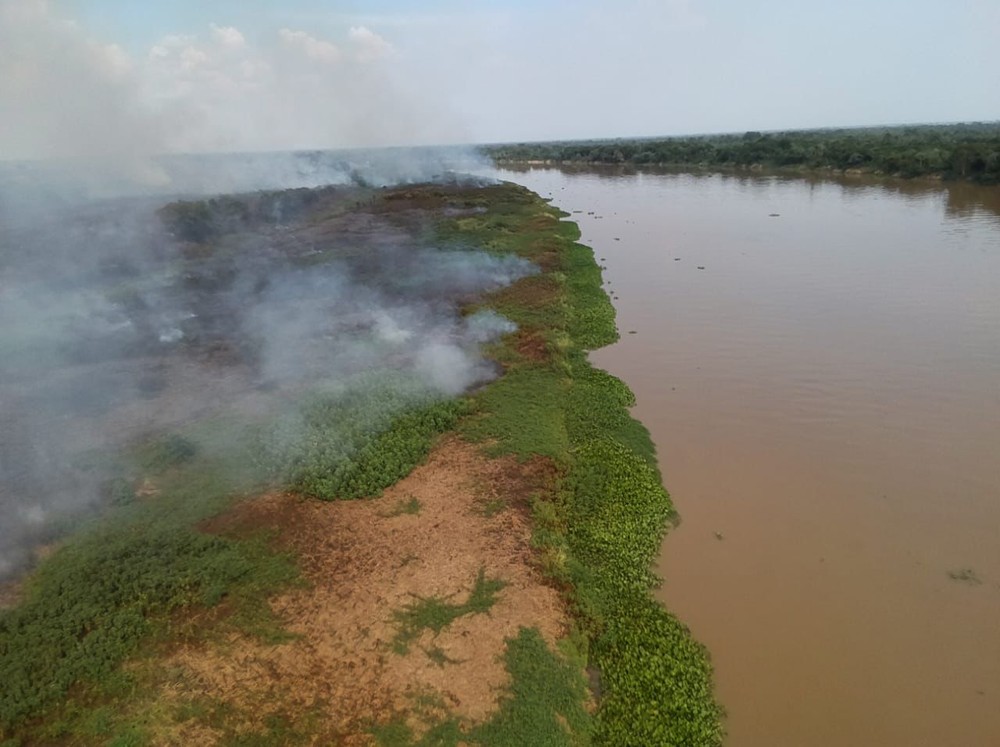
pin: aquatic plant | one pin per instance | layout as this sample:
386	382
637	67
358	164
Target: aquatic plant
600	533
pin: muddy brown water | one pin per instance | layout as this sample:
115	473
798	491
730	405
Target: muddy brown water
823	387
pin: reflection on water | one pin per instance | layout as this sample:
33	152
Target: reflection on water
818	361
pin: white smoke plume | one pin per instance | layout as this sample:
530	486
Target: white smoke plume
116	328
112	327
65	94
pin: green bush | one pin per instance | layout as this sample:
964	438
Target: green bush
545	704
164	452
90	605
358	441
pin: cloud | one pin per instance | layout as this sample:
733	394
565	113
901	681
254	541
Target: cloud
294	90
370	46
64	94
227	36
313	48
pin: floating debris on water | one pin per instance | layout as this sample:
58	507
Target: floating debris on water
967	575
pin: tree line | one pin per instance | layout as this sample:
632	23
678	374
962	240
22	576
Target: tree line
960	151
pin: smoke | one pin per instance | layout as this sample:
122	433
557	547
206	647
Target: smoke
29	189
395	309
67	95
64	96
120	320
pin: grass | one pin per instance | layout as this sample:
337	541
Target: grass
598	534
160	454
410	506
144	574
89	608
492	507
436	614
358	440
128	579
522	414
544	705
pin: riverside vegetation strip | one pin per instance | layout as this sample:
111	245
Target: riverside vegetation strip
961	151
82	655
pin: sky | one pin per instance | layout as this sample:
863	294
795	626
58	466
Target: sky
102	77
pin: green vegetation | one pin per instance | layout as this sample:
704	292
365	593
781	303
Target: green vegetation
89	607
436	614
965	151
159	454
493	507
599	534
410	506
357	441
77	656
439	657
522	414
125	580
543	707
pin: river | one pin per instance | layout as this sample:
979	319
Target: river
818	362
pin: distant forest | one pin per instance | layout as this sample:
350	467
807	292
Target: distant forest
960	151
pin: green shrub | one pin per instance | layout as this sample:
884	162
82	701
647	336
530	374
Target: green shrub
359	441
90	605
164	452
545	704
522	414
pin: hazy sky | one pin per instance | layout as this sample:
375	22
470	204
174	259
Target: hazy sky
101	75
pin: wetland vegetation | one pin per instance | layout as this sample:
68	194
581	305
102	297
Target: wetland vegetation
175	564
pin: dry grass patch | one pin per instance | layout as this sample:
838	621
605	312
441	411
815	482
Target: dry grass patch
368	565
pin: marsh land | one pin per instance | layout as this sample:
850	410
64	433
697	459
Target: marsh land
385	497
